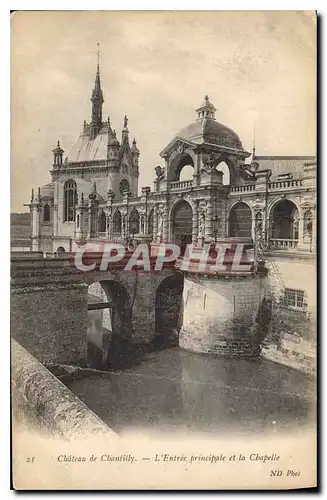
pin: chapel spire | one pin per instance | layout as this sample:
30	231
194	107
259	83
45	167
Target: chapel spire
97	100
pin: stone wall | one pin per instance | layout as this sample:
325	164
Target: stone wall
49	309
220	315
42	402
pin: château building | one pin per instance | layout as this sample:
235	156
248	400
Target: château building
94	196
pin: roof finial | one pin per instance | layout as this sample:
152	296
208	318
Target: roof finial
125	121
253	148
98	54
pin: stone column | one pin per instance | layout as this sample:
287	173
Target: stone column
195	219
208	221
111	196
165	235
155	222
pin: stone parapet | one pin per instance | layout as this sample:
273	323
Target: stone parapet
46	403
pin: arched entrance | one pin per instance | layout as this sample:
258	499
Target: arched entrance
240	221
181	222
284	222
169	310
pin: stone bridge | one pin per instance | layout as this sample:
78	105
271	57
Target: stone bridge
52	303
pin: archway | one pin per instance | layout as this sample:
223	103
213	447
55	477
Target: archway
284	221
182	224
60	250
109	324
240	220
224	168
181	162
168	310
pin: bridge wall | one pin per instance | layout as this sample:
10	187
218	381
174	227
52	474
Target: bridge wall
49	309
220	315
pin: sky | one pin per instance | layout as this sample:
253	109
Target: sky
156	67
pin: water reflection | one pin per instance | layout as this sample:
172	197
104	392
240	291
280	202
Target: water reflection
177	391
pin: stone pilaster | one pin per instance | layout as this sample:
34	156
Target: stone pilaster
208	221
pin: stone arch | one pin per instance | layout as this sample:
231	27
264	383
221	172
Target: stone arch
134	221
240	220
117	223
60	250
224	168
177	164
102	222
181	223
168	309
284	220
109	323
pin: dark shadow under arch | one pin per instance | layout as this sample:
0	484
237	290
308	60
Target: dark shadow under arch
168	310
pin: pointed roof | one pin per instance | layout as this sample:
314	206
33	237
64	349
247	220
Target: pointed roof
97	94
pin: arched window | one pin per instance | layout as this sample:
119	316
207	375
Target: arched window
70	195
123	186
134	222
102	222
116	223
46	213
77	221
240	221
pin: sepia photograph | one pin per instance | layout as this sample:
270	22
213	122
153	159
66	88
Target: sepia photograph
163	236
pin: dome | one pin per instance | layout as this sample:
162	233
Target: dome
207	130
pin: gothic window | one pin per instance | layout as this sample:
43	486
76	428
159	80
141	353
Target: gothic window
116	223
102	223
134	222
70	195
46	213
123	186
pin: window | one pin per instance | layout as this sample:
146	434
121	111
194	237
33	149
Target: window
293	298
46	213
70	195
102	222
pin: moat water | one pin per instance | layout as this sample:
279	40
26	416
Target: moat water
175	391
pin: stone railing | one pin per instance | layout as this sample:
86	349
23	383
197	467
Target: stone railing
280	244
242	189
290	183
181	184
